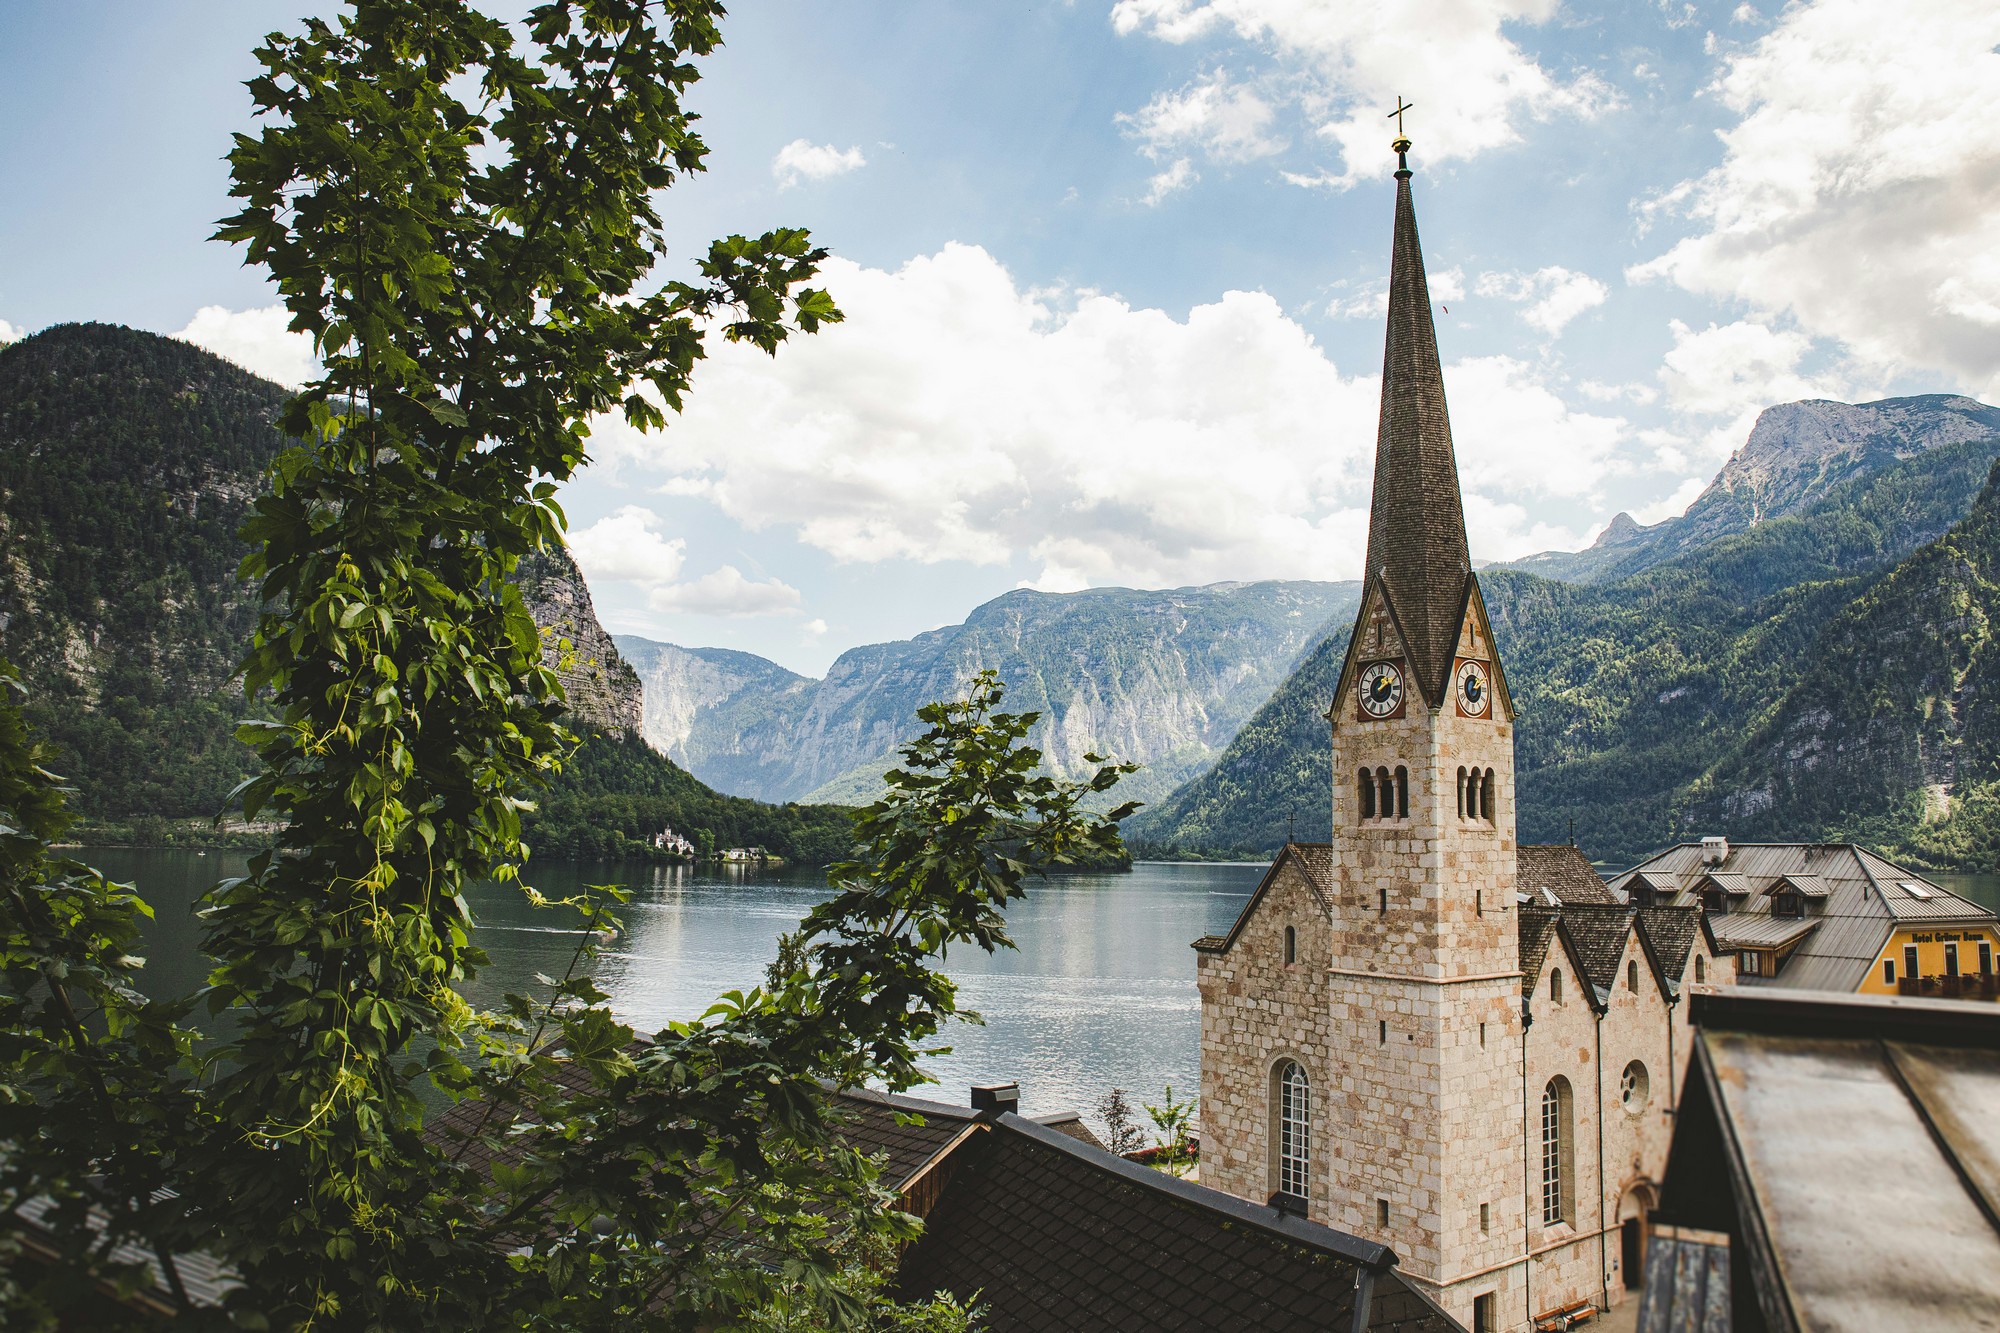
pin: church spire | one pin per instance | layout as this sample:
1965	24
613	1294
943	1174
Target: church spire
1416	524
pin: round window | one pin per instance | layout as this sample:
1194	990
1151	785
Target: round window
1633	1088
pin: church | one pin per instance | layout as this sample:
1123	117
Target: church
1422	1033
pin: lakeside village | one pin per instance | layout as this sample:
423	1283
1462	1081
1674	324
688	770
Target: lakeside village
678	847
1451	1084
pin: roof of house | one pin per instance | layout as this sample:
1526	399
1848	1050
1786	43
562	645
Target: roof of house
1050	1234
1562	869
1854	900
1849	1146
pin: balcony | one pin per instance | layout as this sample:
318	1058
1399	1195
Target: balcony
1964	986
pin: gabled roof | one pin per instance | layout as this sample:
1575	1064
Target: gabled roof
1313	859
1599	934
1861	901
1536	928
1052	1236
1416	519
1670	932
1561	868
1762	932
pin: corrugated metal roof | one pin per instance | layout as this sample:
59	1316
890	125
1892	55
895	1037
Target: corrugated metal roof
1812	886
1760	932
1859	904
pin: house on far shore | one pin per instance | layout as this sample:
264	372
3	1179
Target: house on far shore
1826	917
751	855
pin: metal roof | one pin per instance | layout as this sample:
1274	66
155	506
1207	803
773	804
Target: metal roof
1761	931
1851	1147
1860	901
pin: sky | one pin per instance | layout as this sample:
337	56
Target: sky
1113	272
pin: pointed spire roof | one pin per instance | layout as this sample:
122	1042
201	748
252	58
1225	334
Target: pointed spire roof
1416	525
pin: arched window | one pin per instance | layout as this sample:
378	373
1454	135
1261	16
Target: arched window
1402	792
1294	1130
1461	791
1486	797
1556	985
1557	1194
1472	794
1700	969
1385	797
1366	787
1291	945
1631	972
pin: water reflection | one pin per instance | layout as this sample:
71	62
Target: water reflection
1099	993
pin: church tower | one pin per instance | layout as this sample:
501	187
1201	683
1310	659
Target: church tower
1425	1023
1362	1031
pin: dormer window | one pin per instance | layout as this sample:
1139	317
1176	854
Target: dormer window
1792	906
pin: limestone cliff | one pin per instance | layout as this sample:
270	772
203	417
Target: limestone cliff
603	689
1163	679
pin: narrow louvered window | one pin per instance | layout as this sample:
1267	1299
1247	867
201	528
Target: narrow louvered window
1366	787
1294	1131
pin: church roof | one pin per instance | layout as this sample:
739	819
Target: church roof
1599	933
1416	521
1537	930
1563	870
1671	932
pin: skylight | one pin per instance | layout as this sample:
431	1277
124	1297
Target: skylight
1915	890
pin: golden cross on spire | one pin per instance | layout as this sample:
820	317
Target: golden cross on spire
1397	114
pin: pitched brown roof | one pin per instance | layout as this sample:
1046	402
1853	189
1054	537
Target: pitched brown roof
1536	927
1599	934
1671	932
1563	870
1052	1236
1416	522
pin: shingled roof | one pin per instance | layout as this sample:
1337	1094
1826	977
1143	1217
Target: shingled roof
1051	1236
1599	934
1416	523
1563	870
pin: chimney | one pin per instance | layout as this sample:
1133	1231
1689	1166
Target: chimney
996	1099
1714	850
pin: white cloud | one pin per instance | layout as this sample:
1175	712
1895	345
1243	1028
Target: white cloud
257	340
1859	193
1339	64
1230	121
956	417
1558	295
1371	301
1672	505
1171	181
626	547
814	628
10	333
804	160
1734	371
726	593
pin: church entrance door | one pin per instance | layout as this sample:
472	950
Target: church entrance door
1632	1210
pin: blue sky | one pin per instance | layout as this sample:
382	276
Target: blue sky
1113	272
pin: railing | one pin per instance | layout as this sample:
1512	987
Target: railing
1964	986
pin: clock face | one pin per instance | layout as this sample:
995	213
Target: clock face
1381	689
1475	691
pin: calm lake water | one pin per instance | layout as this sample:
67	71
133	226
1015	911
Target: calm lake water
1099	994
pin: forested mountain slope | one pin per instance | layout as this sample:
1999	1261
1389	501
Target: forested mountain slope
128	462
1796	455
1634	696
1164	679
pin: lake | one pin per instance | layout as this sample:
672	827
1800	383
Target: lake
1099	994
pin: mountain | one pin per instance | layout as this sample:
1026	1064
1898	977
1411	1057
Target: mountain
1635	694
128	462
1797	454
1164	679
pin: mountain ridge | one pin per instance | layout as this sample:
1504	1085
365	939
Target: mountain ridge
1162	677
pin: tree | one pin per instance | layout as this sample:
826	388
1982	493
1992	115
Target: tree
464	218
1122	1134
1174	1122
